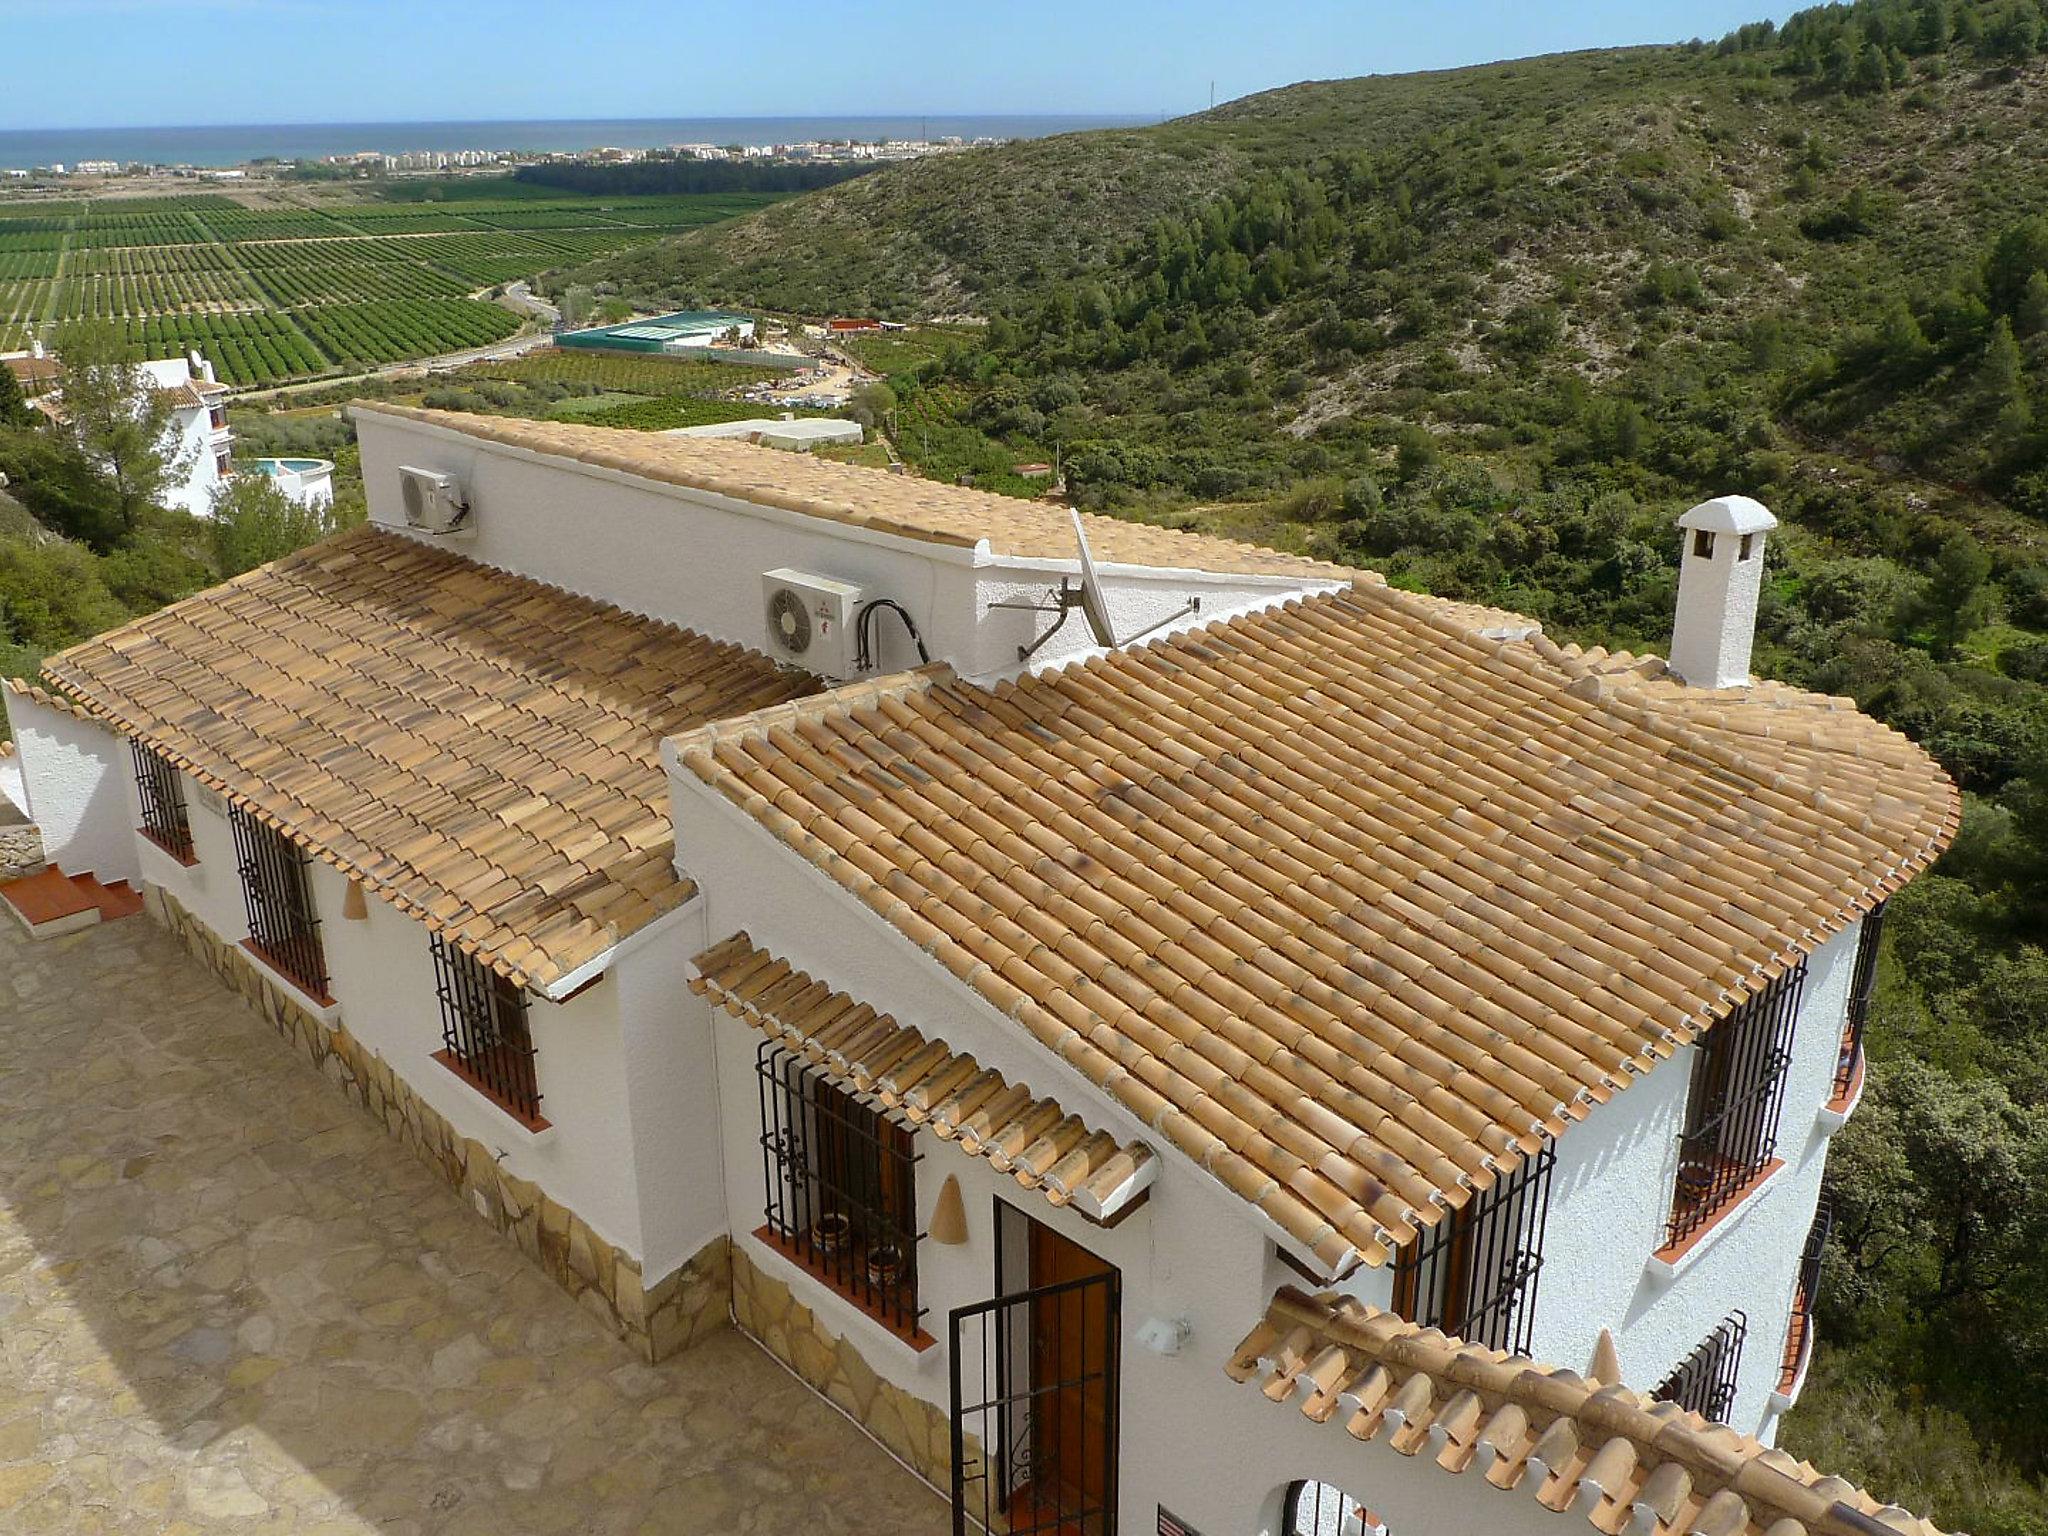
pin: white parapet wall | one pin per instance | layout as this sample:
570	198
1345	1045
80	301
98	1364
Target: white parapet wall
78	784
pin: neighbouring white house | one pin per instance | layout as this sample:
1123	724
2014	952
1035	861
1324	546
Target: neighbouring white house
309	482
198	442
1164	1033
199	417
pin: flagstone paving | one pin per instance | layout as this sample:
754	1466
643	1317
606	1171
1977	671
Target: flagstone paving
229	1304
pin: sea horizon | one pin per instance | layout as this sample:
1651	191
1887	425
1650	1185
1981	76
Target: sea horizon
211	146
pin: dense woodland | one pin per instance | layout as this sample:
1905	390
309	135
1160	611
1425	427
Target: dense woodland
1489	332
672	175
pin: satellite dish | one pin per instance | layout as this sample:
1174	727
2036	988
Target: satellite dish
1093	606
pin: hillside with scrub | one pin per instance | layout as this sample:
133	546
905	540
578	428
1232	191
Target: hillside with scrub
1490	331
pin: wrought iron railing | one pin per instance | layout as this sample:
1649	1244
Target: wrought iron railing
1799	1332
1035	1405
283	927
1474	1273
1862	984
1738	1091
484	1032
164	821
1706	1380
840	1192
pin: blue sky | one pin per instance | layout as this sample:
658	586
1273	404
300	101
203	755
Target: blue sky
103	63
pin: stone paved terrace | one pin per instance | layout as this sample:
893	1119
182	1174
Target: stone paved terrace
228	1303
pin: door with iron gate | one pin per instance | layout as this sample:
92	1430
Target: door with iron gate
1035	1377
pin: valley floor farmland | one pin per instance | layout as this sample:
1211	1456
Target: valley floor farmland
281	292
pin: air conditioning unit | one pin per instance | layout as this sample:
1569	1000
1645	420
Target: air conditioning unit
434	502
810	621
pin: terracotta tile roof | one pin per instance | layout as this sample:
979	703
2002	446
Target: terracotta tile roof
479	749
1032	1139
926	510
1349	904
22	688
1619	1459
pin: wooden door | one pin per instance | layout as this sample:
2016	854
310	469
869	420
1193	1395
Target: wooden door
1074	1386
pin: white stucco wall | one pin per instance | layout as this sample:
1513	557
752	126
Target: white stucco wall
10	781
672	1092
696	559
78	780
1611	1198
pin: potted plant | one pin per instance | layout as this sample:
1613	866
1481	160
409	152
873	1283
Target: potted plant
885	1265
831	1232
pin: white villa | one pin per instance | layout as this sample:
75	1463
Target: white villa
199	429
1164	1033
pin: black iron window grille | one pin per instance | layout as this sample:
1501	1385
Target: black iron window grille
163	803
283	929
1799	1335
484	1033
1862	983
1706	1380
1738	1090
1322	1509
1474	1273
840	1188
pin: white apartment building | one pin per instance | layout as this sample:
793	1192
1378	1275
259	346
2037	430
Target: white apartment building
1163	1033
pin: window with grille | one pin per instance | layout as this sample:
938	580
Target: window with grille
1862	983
162	794
841	1189
1705	1380
1474	1273
484	1033
283	929
1323	1509
1731	1117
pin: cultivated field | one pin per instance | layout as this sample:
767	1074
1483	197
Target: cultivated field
274	293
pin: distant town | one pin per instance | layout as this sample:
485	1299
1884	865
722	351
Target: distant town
443	161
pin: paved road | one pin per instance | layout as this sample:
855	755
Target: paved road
229	1304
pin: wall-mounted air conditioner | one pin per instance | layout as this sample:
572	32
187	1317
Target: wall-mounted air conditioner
811	621
434	502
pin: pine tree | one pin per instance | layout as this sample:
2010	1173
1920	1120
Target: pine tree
2031	317
15	411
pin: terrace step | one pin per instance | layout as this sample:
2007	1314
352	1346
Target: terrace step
51	902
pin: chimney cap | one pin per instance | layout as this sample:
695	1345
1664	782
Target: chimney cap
1729	514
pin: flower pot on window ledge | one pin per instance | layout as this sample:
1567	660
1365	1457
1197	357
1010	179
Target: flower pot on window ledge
885	1265
831	1232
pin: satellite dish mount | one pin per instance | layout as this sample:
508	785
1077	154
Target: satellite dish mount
1086	595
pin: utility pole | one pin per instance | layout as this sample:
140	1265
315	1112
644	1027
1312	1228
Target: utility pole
1212	95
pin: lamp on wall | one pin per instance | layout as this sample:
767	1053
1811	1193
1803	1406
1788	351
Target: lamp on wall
353	907
949	1216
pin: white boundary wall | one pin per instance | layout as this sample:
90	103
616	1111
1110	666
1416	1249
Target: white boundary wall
79	784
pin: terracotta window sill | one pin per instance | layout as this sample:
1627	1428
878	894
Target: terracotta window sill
804	1260
182	856
1843	1104
1674	1258
536	1123
321	1002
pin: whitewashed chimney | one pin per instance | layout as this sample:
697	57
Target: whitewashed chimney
1720	576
